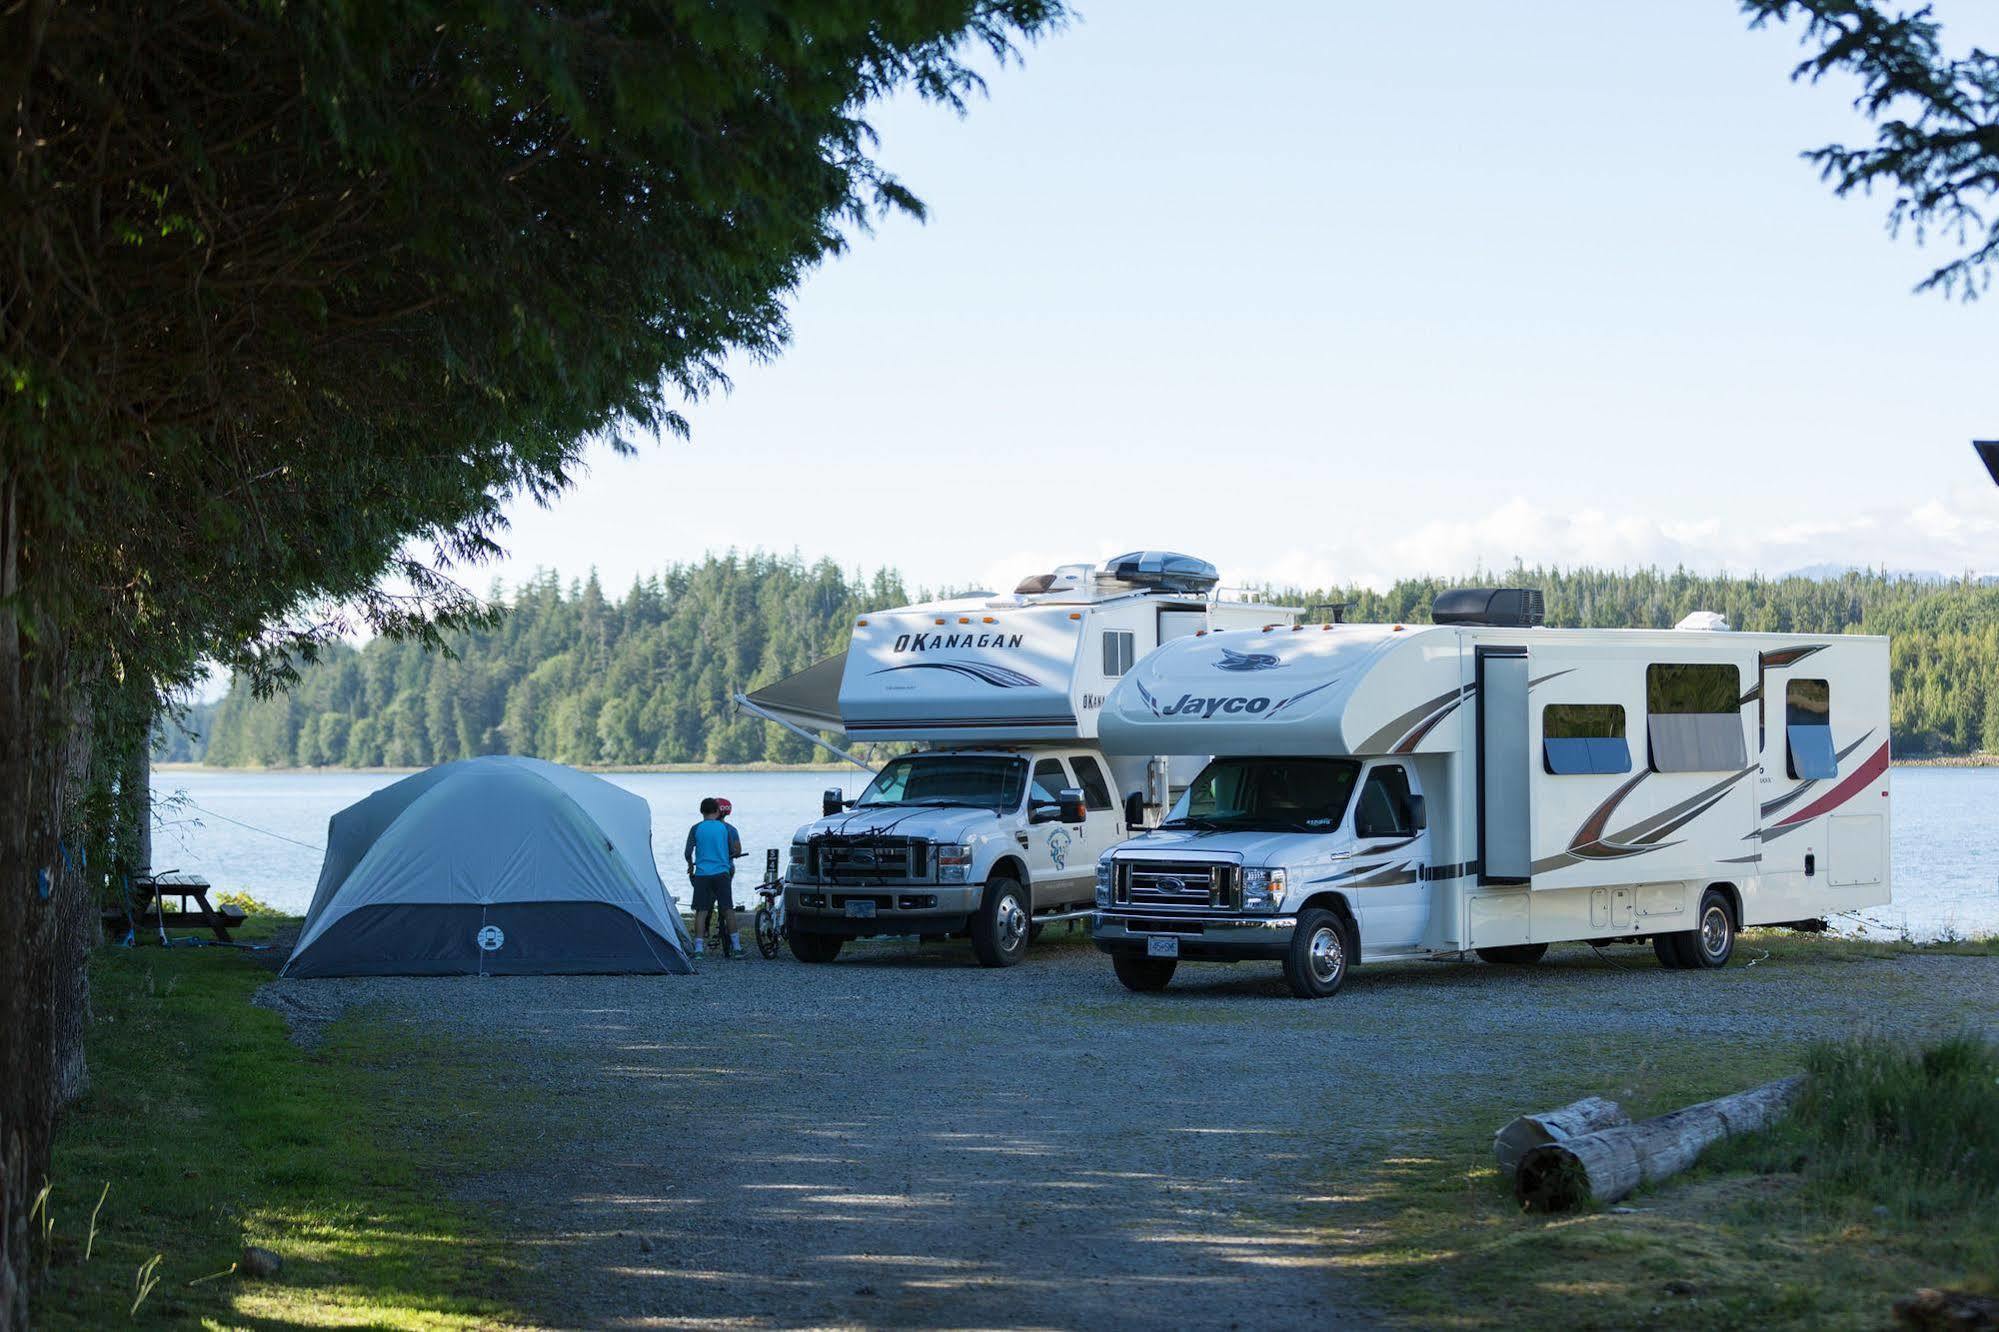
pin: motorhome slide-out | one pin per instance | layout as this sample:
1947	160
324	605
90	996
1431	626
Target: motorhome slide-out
991	830
1484	784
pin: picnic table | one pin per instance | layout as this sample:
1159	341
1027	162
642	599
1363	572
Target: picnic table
149	909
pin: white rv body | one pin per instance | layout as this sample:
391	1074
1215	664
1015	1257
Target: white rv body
1014	682
1525	834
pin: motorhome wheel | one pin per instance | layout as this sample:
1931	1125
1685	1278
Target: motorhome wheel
1143	974
1316	962
807	946
999	931
1666	947
1514	955
1713	943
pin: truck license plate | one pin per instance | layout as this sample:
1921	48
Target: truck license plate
1155	946
862	910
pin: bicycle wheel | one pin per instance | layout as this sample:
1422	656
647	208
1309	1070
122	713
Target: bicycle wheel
767	939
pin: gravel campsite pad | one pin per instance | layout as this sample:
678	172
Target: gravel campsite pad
901	1138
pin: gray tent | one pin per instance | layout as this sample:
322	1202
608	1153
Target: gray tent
491	866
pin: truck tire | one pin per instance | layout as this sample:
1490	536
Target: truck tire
1513	955
1711	942
1143	974
1316	963
1666	947
1000	928
807	946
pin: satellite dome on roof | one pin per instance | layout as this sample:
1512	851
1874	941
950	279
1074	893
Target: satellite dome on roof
1165	569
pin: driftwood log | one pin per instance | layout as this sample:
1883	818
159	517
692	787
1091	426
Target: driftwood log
1512	1143
1608	1164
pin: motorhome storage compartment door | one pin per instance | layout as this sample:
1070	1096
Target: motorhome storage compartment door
1179	623
1505	843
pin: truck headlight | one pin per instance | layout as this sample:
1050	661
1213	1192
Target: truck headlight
1262	889
1104	872
954	862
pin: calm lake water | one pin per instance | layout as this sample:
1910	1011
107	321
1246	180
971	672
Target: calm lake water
261	833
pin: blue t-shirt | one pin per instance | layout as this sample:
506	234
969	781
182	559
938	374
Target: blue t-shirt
713	847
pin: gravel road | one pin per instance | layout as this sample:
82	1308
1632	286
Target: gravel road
903	1139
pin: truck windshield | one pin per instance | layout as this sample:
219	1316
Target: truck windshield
1286	794
985	781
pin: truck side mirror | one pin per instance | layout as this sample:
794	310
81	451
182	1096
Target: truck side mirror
1134	809
831	803
1419	813
1071	801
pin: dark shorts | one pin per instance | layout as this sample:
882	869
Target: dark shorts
713	891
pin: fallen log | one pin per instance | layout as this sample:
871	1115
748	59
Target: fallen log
1610	1163
1524	1134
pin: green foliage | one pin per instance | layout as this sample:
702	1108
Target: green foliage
1937	143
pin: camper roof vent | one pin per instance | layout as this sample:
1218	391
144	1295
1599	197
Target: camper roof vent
1508	607
1705	621
1163	570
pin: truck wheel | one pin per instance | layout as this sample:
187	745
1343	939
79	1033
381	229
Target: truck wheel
1513	955
1712	942
1143	974
1316	962
999	930
809	947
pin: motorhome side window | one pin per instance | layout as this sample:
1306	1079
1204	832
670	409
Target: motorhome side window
1808	729
1583	738
1096	791
1383	807
1118	648
1694	717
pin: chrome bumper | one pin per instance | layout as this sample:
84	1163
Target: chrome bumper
1203	937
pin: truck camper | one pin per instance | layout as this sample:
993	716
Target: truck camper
1484	784
992	828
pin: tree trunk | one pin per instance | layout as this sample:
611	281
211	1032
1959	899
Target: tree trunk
24	1116
1610	1163
1524	1134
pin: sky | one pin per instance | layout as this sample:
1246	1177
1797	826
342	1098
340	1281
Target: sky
1341	292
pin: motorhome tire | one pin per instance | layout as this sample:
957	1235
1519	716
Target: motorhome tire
1514	955
1315	965
809	946
1001	927
1143	974
1666	947
1712	942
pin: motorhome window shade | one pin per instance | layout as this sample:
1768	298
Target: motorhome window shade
1578	739
1119	645
1694	717
1808	730
1096	791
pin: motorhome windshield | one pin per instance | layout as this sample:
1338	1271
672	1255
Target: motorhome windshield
982	781
1285	794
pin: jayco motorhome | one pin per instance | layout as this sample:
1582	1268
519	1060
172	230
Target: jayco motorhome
1486	785
993	829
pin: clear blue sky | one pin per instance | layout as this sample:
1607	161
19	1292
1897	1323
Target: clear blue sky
1350	291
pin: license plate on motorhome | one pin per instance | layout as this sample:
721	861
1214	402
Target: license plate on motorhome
860	909
1158	947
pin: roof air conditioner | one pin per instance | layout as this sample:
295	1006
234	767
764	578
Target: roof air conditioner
1506	607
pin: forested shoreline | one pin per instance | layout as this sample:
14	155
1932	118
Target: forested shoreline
574	674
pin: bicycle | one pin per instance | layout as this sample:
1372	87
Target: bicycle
770	918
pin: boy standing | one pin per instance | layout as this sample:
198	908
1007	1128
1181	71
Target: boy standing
712	849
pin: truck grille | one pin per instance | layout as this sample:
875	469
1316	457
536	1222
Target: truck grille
862	859
1190	884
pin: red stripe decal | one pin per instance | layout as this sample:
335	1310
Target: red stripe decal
1863	777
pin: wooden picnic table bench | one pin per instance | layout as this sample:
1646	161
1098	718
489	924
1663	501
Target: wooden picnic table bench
149	909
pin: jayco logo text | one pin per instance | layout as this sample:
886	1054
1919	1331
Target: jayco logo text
1191	705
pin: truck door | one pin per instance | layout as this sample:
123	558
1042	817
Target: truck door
1057	854
1104	826
1392	898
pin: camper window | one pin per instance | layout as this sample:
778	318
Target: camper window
1583	738
1118	646
1096	791
1694	717
1383	807
1808	727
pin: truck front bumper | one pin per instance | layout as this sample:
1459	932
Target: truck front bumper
898	908
1203	938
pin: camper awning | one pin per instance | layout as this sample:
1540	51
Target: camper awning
809	699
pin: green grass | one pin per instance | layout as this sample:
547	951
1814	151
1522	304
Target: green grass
213	1130
1885	1180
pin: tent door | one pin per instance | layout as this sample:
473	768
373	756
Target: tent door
1505	766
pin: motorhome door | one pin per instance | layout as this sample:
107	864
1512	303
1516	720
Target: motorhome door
1505	828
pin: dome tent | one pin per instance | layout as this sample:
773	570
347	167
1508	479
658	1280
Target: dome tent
491	866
